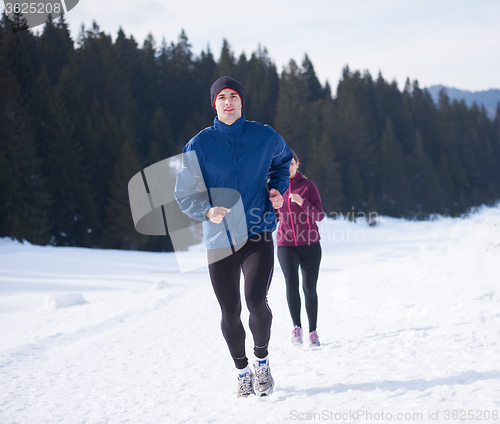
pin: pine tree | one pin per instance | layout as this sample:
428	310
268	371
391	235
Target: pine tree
404	126
123	68
119	229
324	170
56	48
21	56
496	153
74	211
93	64
424	180
393	181
18	22
101	142
181	85
356	151
205	69
241	68
424	118
313	86
387	104
261	88
289	120
144	89
162	139
39	111
451	171
24	199
227	62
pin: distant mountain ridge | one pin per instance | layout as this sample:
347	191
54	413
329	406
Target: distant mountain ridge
488	98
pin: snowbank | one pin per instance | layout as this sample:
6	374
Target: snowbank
62	300
159	284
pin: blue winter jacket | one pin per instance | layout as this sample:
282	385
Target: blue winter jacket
233	166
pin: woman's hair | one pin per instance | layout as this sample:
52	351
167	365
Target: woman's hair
297	160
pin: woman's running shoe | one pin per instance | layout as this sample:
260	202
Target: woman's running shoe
297	335
314	339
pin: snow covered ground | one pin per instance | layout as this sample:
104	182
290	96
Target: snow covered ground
409	320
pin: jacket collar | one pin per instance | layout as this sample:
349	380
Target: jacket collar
298	176
236	127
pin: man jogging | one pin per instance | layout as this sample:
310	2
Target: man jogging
252	160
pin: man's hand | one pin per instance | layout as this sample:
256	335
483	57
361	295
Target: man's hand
276	198
216	214
294	197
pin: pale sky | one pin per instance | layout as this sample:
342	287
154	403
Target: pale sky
450	42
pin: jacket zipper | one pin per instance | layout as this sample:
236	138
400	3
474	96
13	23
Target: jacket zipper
233	164
291	215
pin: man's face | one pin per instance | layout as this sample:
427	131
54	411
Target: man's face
228	106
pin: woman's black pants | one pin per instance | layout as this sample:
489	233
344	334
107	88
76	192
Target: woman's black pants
308	257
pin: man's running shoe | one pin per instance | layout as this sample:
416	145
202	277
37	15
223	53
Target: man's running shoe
245	384
264	383
297	335
314	339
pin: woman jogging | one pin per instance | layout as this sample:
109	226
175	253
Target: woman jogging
298	246
236	178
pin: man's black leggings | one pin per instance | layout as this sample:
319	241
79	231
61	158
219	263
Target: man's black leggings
256	260
308	257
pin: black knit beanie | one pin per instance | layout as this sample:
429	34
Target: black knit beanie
226	82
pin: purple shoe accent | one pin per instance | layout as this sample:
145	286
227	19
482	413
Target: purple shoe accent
314	339
297	335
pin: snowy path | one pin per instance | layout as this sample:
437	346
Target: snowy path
409	324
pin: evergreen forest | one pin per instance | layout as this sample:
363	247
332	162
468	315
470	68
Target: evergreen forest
79	118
